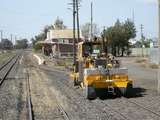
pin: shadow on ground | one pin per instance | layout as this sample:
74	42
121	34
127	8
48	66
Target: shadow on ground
136	92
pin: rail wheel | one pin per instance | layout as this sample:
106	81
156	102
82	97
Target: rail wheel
76	83
89	92
127	92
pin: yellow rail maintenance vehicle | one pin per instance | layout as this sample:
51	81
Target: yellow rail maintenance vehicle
99	74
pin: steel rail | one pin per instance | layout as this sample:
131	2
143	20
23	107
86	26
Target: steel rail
143	107
31	113
10	68
65	115
116	111
5	64
29	99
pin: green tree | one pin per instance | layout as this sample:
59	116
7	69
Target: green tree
118	37
58	24
21	44
40	37
86	30
146	43
6	44
46	29
43	35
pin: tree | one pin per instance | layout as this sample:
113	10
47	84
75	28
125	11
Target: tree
146	43
6	44
58	24
118	37
46	30
21	44
40	37
43	35
86	30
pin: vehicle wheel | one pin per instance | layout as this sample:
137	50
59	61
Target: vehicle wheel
89	92
118	92
127	92
76	82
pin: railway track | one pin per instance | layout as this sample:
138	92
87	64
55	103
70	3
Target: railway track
64	113
135	105
7	67
29	99
143	107
30	104
108	113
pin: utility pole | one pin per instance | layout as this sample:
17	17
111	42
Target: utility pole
78	30
158	87
103	40
91	21
11	37
15	39
133	16
142	39
1	35
74	31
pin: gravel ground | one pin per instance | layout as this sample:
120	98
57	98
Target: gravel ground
12	95
109	106
145	78
51	88
5	56
145	81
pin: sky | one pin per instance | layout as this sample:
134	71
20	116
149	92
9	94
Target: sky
26	18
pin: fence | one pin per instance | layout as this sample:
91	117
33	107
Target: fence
151	53
140	52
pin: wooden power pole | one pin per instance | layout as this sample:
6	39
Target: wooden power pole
91	21
142	40
1	35
78	29
74	32
158	88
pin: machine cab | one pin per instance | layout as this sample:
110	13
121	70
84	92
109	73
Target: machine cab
89	49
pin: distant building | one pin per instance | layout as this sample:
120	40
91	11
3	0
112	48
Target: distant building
59	43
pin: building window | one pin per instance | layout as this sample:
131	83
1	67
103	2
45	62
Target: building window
66	41
60	41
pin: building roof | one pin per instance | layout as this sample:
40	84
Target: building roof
48	42
45	42
62	34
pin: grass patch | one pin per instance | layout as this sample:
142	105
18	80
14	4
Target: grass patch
154	66
143	60
61	63
5	56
